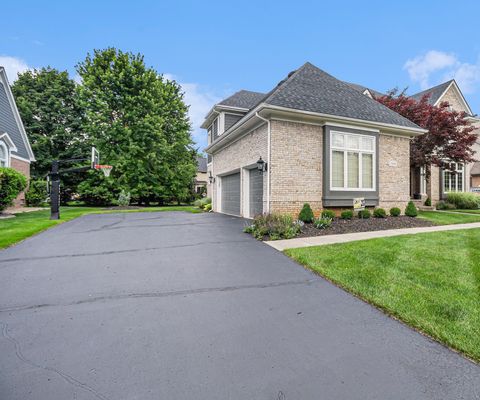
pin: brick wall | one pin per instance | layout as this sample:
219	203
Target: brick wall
296	166
24	168
394	171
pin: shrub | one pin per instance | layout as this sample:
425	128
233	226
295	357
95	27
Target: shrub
411	210
428	202
102	194
364	214
464	200
11	184
208	207
306	214
274	226
36	194
395	211
328	214
379	213
348	214
443	205
123	199
322	222
201	203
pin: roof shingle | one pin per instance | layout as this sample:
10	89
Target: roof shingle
243	99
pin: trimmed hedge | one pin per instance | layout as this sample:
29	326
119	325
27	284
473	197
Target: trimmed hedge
364	214
411	210
464	200
11	184
395	212
347	214
306	214
379	213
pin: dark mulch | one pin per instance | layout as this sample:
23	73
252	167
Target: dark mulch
340	226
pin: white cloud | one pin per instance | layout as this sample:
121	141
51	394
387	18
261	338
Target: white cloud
13	66
440	66
200	101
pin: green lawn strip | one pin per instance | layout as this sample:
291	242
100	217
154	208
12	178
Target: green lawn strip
447	218
466	211
24	225
431	281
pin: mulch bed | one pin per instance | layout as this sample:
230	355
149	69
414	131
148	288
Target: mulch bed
354	225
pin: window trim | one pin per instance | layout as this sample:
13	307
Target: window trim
360	153
7	152
462	172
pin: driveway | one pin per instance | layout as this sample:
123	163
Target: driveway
185	306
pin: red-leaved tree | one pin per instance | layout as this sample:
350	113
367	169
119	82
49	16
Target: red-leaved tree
449	137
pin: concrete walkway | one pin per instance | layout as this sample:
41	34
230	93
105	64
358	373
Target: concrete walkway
350	237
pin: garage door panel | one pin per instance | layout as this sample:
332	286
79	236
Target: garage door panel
231	194
256	192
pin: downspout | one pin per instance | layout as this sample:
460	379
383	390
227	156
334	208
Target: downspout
214	184
268	157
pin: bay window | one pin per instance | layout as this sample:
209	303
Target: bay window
352	165
454	178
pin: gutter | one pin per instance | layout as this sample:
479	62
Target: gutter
269	136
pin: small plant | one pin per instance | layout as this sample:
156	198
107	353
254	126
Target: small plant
443	205
411	210
11	184
123	199
328	214
379	213
464	200
322	222
36	194
395	212
347	214
364	214
201	203
306	214
208	207
428	202
273	226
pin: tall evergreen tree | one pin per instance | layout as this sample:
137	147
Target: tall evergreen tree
138	120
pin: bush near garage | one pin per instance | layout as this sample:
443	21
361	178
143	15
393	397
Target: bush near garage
11	184
273	227
203	202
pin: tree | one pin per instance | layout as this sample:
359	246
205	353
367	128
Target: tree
47	101
449	137
138	120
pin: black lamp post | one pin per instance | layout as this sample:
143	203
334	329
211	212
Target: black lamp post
211	178
261	165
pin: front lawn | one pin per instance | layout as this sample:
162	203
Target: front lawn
13	230
448	218
431	281
466	211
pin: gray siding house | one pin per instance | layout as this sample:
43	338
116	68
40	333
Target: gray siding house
321	141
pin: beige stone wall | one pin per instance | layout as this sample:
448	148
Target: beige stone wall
239	155
296	166
433	185
454	99
24	168
394	171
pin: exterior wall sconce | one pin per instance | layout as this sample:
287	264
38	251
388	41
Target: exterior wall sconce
211	178
262	166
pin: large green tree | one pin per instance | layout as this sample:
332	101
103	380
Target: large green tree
48	104
138	120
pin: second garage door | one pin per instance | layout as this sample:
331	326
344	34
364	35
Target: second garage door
256	192
231	194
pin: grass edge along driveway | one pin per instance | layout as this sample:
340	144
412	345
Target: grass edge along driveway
24	225
430	281
448	217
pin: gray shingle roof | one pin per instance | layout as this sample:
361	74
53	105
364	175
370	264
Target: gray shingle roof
243	99
434	92
362	89
201	164
311	89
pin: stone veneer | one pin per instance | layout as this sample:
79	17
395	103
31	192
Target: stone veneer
24	168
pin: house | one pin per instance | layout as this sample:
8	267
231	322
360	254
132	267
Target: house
465	177
15	150
201	180
312	138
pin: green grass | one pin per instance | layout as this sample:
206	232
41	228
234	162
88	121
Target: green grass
448	218
431	281
466	211
13	230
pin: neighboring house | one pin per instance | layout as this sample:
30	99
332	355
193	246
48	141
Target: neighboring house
445	181
15	150
201	178
322	141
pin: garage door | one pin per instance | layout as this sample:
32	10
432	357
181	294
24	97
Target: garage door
256	192
231	194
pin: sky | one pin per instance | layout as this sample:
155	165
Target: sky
215	48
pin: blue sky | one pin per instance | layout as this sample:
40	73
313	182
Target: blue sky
214	48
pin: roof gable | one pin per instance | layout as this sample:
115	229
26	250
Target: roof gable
311	89
434	93
10	121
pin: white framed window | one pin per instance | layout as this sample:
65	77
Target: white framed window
454	178
352	161
4	156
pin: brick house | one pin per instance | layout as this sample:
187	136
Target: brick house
201	178
322	141
15	150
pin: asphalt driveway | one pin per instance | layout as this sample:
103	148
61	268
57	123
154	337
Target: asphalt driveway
186	306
